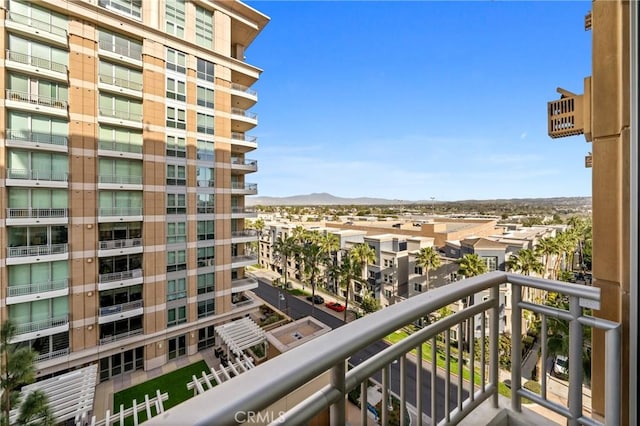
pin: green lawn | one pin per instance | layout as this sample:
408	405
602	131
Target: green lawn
174	383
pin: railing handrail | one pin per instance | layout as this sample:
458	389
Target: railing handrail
245	233
43	324
243	161
119	211
130	51
243	137
30	174
40	250
261	388
37	137
244	113
122	307
36	23
120	243
242	88
120	146
116	337
32	98
123	115
120	82
36	61
120	179
25	289
123	275
37	212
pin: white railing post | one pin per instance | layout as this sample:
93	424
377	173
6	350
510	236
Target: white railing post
575	363
516	347
338	411
494	336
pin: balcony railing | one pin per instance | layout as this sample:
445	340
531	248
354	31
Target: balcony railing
121	82
243	210
235	161
245	89
34	99
121	115
26	289
244	113
50	175
120	211
123	307
36	24
250	187
242	137
120	147
244	233
120	276
267	384
132	51
52	355
27	136
244	258
33	213
43	250
34	61
121	336
121	180
118	244
31	327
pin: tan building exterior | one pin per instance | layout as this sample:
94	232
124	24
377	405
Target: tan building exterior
124	135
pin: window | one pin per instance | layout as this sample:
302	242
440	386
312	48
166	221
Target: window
48	346
118	75
40	310
176	203
205	124
132	8
417	287
119	363
37	54
41	18
116	203
205	150
206	256
206	338
205	70
120	45
116	170
206	283
174	17
38	128
206	308
176	232
120	231
31	89
205	97
37	198
176	89
204	27
176	175
176	316
124	263
206	230
120	296
176	260
176	289
492	263
205	177
418	270
37	165
177	347
206	203
176	118
176	146
119	139
53	273
176	61
120	107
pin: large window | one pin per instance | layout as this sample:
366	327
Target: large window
120	296
38	273
118	75
205	177
116	170
205	97
176	232
128	203
41	18
176	316
121	362
177	347
176	146
205	151
120	139
176	118
37	165
205	70
176	89
120	327
176	175
206	308
176	260
30	88
176	289
206	230
206	256
206	283
492	263
176	61
37	54
109	265
174	17
206	203
40	310
120	107
131	8
26	126
176	203
48	347
206	338
119	231
204	27
205	124
120	44
38	198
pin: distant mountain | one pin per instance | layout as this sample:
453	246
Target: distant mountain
319	199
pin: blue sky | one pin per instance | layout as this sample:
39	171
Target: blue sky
413	100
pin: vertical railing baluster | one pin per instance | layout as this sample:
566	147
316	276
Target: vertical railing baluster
385	395
543	355
337	411
472	354
434	375
493	340
483	361
575	363
419	384
516	350
461	343
403	388
363	402
447	382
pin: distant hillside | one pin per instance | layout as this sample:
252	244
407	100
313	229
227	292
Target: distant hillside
319	199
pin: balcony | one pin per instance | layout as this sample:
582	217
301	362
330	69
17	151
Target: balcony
20	62
120	279
121	336
243	212
244	236
30	216
45	327
130	54
243	120
121	311
451	399
132	183
241	188
41	253
119	149
120	118
119	214
243	143
41	178
120	86
243	97
34	140
52	355
240	165
120	247
33	102
243	260
243	284
35	28
37	291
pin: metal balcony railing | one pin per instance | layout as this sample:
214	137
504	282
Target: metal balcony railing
244	258
242	210
120	211
28	136
259	388
123	307
120	146
242	137
120	82
244	113
121	115
121	336
34	99
30	327
118	244
121	180
250	187
36	61
176	295
36	23
43	250
26	289
133	51
244	233
34	213
235	161
244	89
52	355
120	276
50	175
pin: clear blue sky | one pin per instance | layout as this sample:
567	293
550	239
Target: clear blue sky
413	100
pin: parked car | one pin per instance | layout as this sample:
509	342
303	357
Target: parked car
318	300
561	366
336	306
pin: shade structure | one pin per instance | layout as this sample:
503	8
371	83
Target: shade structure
241	334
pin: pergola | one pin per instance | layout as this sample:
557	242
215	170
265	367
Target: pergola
241	334
70	395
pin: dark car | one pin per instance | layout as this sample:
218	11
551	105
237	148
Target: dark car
318	300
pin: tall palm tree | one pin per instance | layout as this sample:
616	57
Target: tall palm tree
312	257
349	270
546	248
362	255
429	259
471	265
329	244
526	262
285	248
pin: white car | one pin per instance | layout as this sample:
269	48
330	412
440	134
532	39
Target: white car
561	366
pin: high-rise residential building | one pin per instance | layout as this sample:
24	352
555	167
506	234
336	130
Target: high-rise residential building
126	161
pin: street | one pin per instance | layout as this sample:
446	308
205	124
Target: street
299	308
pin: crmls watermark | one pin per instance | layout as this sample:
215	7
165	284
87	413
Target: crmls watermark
258	418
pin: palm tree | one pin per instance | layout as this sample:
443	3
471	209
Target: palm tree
285	248
362	255
35	410
471	265
546	248
526	262
349	270
312	257
329	244
428	258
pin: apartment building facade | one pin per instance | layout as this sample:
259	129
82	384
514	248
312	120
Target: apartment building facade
124	148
